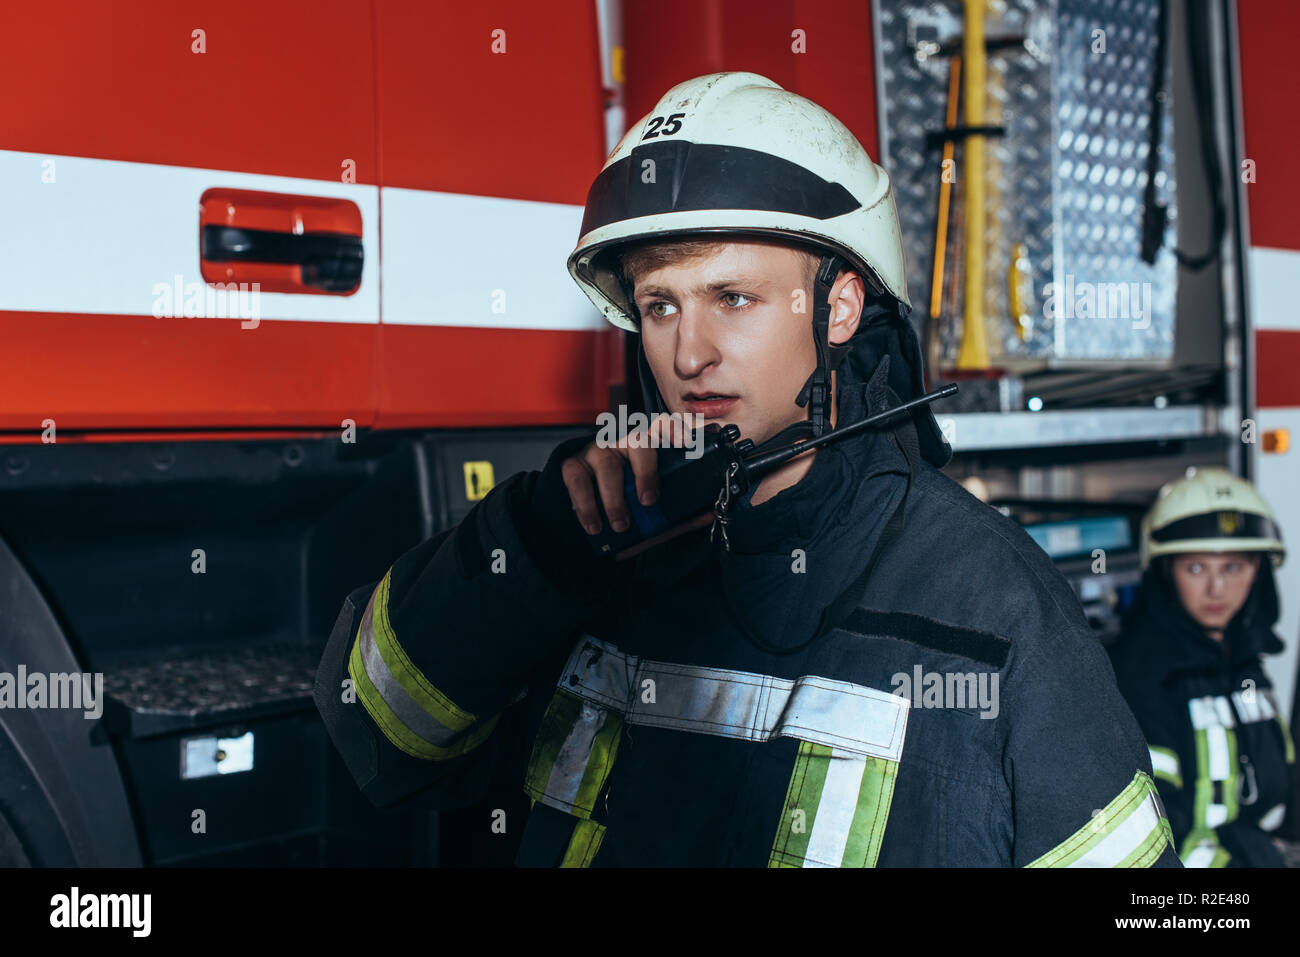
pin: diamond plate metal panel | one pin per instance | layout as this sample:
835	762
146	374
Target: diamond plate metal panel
1100	155
1066	179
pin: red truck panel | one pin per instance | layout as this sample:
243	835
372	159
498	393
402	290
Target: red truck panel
284	89
291	89
524	124
710	36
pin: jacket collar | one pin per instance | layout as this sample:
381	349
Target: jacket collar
802	512
804	549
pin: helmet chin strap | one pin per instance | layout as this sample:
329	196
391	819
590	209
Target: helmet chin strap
816	391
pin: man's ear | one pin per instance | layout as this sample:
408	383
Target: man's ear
847	297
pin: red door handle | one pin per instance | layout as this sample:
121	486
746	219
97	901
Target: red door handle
296	244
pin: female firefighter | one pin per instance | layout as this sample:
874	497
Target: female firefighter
1188	661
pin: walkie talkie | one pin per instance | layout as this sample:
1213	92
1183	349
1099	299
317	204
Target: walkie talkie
726	468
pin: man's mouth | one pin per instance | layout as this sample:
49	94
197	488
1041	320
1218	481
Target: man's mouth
709	405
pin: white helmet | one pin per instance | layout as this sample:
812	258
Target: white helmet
1210	510
735	153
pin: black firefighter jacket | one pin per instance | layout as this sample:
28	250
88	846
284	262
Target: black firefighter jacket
1222	753
882	671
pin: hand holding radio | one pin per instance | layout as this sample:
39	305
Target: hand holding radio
614	488
662	486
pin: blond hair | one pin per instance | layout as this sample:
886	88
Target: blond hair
648	256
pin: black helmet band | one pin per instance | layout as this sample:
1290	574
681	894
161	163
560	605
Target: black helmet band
1222	524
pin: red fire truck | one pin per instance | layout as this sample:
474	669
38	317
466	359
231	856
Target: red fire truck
284	294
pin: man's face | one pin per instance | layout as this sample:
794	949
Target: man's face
1213	587
723	337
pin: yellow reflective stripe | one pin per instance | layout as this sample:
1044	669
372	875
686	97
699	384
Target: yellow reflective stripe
1148	852
803	797
399	734
422	692
835	811
1130	831
1216	764
411	734
586	840
406	709
573	753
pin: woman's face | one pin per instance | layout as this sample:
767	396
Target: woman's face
1214	585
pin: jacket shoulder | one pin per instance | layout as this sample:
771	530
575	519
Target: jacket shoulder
1138	654
960	562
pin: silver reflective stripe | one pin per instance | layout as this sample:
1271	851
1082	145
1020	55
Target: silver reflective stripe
1162	761
1217	741
1127	836
1245	707
846	716
1272	818
1225	712
834	818
1266	705
1213	715
731	704
601	673
1201	856
738	704
1211	712
571	762
1253	706
418	720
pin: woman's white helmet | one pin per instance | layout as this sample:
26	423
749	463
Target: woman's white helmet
734	153
1210	510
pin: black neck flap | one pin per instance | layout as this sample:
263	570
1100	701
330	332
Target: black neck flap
904	436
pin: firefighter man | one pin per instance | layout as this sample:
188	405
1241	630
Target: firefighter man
870	668
1188	662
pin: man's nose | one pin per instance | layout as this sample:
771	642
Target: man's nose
696	348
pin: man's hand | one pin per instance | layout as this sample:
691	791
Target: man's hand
599	470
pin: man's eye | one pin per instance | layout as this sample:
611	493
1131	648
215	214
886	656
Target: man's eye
727	297
660	309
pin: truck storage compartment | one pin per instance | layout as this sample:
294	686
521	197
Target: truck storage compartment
201	579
